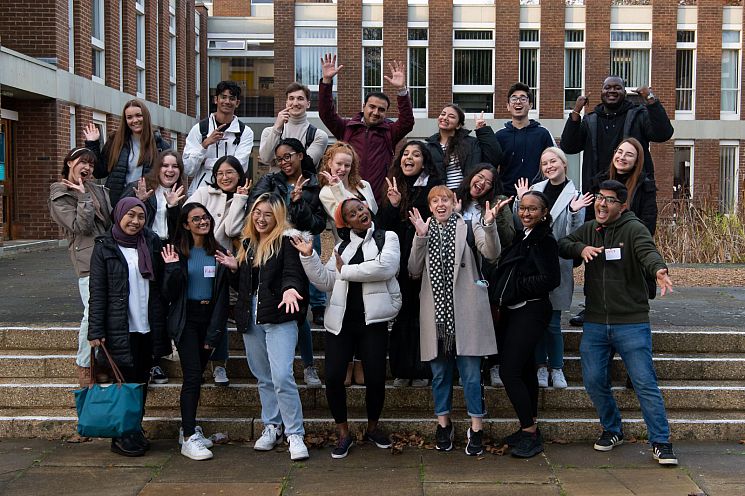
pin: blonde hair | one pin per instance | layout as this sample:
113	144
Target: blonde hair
353	178
269	246
559	154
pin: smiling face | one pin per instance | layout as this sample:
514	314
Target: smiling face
608	208
340	165
374	111
553	168
226	102
135	120
441	207
613	92
263	218
288	160
297	103
356	215
169	172
227	178
481	183
624	159
133	221
531	211
448	120
198	222
412	161
80	168
518	104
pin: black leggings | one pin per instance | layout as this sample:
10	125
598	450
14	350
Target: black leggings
193	357
370	343
141	349
518	333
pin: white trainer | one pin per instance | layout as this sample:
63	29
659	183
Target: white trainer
194	449
198	432
298	450
399	382
270	436
220	375
496	381
557	379
542	377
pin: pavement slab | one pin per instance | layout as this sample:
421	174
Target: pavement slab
97	453
582	455
456	466
80	481
717	468
658	481
330	476
222	488
490	489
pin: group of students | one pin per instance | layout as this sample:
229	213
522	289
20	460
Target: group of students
434	235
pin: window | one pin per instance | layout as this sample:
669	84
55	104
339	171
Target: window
70	38
197	67
730	71
728	177
311	43
417	70
140	48
73	136
683	170
629	57
574	65
174	141
685	72
99	120
172	52
98	69
372	60
473	70
528	61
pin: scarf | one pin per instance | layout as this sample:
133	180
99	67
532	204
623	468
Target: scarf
441	255
145	262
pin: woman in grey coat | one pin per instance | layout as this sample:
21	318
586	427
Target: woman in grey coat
567	208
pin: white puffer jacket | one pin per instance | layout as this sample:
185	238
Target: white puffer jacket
381	295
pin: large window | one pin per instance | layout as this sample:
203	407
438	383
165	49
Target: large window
683	170
140	47
685	70
372	60
197	66
574	66
98	69
473	70
417	70
730	71
629	57
311	43
528	63
728	176
254	74
172	53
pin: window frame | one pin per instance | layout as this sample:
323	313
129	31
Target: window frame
733	181
736	47
197	66
98	44
140	48
418	44
692	47
172	47
532	46
330	44
371	44
637	45
691	144
480	45
575	45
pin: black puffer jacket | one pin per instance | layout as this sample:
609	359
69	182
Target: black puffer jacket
151	208
528	269
109	299
116	180
280	273
175	284
307	214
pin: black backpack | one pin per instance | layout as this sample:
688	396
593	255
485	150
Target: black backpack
204	130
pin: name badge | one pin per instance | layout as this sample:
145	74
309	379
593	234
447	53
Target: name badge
209	271
613	254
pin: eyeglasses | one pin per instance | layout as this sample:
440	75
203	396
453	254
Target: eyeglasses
284	158
532	209
227	98
226	173
610	200
519	99
197	218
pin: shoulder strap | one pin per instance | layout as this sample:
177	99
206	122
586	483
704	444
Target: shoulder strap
241	127
378	236
204	128
310	135
471	241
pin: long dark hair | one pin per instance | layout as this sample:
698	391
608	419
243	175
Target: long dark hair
464	190
148	146
306	164
456	146
396	172
183	240
74	154
235	164
152	179
633	178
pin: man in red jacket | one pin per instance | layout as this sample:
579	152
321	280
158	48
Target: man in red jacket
372	136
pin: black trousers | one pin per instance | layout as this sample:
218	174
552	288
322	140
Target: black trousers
141	348
518	333
193	357
370	343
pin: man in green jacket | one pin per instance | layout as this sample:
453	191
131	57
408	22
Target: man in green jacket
619	253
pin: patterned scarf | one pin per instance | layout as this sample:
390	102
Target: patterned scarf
441	253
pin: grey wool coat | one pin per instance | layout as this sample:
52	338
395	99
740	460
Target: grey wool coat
474	330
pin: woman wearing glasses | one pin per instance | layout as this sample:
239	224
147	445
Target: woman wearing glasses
528	271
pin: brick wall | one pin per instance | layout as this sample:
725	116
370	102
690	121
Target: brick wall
38	31
284	51
182	40
164	50
129	48
706	171
395	36
507	54
82	37
187	53
709	62
440	70
111	27
234	8
551	85
597	51
203	83
349	48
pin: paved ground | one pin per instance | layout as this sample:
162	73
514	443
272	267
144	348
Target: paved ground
37	467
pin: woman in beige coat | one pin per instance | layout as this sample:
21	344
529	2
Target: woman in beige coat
453	303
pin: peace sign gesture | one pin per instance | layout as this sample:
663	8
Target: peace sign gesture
394	196
243	190
297	192
480	121
490	213
420	225
332	179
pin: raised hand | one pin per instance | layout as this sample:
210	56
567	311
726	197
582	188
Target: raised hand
304	246
420	226
216	135
458	205
227	259
582	102
644	92
398	74
174	196
394	196
590	252
290	299
243	190
522	186
581	202
79	187
664	282
142	192
297	192
91	132
169	254
282	117
331	178
329	67
480	121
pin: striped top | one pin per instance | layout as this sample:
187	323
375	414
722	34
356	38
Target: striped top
453	173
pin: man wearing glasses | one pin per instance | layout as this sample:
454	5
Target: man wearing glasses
619	252
220	134
522	140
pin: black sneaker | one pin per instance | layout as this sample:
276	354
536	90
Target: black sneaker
608	440
378	437
342	447
474	442
444	437
578	320
514	438
663	453
140	440
126	446
529	445
157	376
318	315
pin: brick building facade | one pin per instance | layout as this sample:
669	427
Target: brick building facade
65	63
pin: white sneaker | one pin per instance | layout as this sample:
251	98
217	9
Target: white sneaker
221	376
419	382
542	377
496	381
298	450
269	438
194	449
557	379
398	382
310	376
197	432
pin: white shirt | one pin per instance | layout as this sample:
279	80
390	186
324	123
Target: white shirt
139	293
160	224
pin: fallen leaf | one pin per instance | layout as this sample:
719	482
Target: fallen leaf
558	440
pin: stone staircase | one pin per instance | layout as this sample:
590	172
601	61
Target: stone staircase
701	373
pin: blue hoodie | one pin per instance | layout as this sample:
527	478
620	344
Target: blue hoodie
521	153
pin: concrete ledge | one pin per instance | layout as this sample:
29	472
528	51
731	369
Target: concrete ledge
11	248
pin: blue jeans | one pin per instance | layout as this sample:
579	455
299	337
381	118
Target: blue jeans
469	368
634	343
83	357
551	344
270	351
317	297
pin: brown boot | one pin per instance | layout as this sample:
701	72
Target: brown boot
84	376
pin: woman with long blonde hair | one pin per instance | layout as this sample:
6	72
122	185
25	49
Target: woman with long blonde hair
272	298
